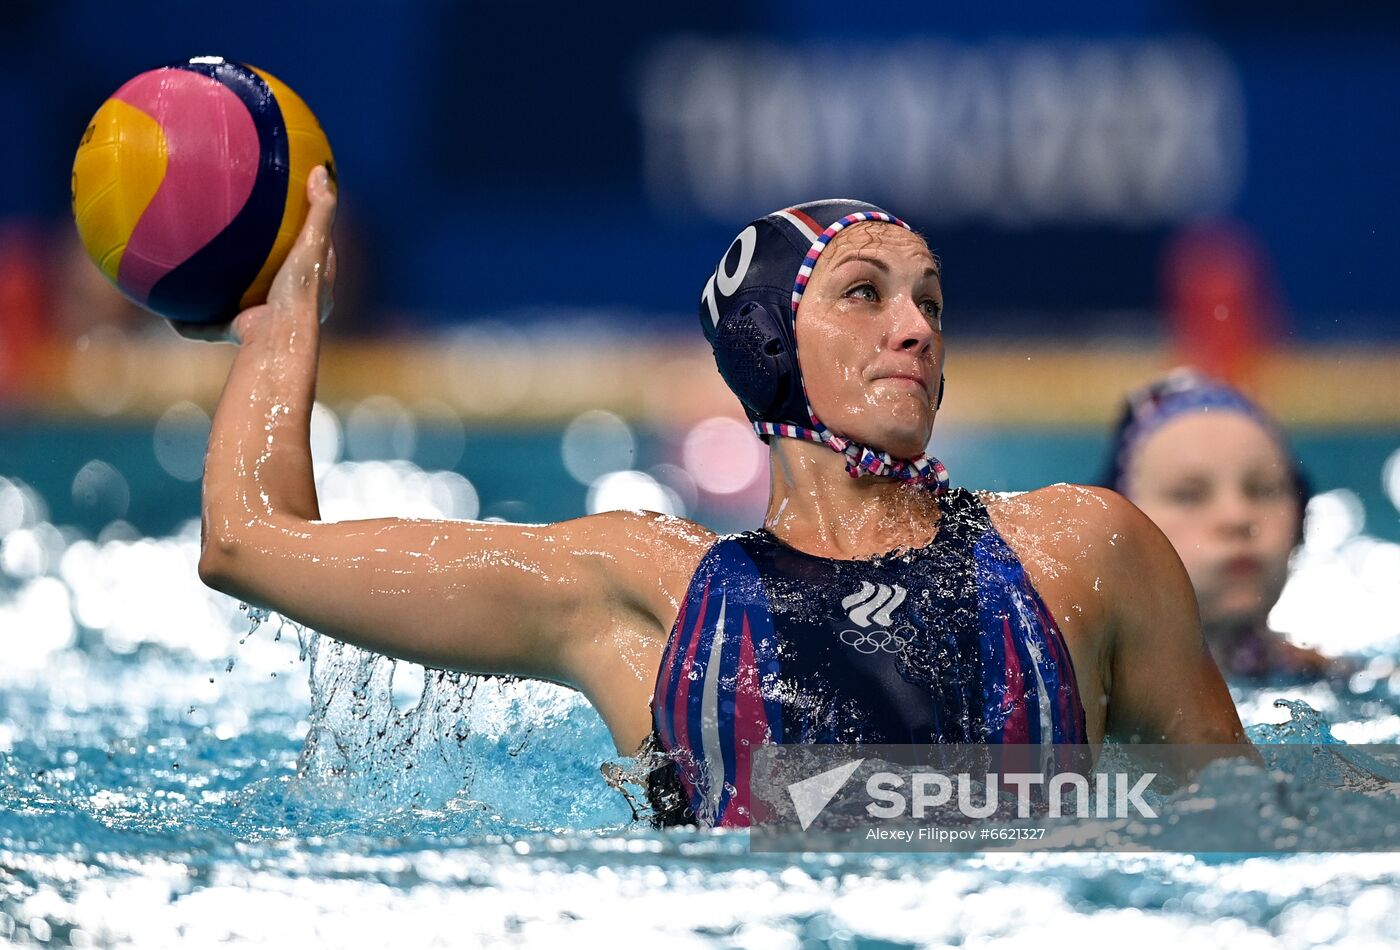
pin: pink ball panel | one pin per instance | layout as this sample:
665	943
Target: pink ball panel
210	169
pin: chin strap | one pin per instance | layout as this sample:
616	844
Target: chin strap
922	469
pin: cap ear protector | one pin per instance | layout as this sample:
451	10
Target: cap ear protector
756	354
746	312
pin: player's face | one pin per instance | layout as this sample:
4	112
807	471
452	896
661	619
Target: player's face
1222	492
870	338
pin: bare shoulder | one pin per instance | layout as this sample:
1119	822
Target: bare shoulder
647	533
647	557
1126	606
1075	521
1056	502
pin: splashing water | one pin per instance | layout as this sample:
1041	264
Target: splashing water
148	799
370	760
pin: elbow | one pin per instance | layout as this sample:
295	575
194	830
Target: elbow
242	560
238	561
217	560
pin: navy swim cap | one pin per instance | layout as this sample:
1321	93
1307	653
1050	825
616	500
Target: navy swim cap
1185	390
748	311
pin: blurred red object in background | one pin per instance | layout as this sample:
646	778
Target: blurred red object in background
1221	300
22	304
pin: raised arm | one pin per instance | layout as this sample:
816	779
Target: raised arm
557	602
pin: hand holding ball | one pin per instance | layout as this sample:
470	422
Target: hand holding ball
189	186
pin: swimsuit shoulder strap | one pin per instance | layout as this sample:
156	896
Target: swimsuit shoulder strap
964	519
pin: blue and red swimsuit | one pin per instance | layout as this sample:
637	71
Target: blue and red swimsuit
946	643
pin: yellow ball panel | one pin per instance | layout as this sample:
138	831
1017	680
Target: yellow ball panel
118	169
307	147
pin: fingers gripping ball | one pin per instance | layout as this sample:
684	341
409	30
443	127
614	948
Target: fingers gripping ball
189	187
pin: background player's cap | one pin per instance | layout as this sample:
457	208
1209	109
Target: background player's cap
1186	390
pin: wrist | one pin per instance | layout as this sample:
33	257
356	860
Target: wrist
256	323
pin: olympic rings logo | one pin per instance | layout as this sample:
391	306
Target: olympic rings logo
872	641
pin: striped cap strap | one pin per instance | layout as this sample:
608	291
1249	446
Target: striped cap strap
863	460
804	273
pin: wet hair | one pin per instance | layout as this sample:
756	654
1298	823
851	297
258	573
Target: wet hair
1182	391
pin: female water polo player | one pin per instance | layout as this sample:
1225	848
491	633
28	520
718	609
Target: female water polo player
874	605
1215	473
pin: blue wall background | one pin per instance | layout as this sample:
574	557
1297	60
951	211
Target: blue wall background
493	156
